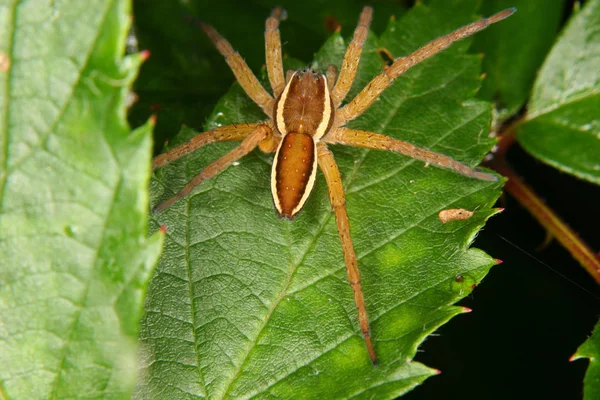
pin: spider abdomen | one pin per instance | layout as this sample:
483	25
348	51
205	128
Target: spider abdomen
293	173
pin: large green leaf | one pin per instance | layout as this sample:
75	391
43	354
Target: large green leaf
591	349
74	255
562	127
245	304
515	49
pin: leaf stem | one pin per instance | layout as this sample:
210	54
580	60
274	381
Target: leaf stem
546	217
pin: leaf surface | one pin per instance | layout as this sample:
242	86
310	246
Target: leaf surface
74	255
563	127
246	305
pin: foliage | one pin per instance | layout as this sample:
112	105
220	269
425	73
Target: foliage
244	304
562	127
75	259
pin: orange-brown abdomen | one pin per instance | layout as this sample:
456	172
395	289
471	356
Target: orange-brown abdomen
293	174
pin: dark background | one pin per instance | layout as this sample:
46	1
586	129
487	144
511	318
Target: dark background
530	313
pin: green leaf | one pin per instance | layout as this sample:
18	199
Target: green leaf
245	304
74	255
591	349
515	49
562	127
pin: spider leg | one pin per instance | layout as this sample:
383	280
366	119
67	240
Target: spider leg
371	92
240	69
371	140
338	202
273	51
252	140
220	134
352	58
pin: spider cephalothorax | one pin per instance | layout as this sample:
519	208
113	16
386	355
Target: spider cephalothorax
305	113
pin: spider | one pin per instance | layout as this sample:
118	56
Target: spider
305	113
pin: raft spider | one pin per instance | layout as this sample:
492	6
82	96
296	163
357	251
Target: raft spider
305	113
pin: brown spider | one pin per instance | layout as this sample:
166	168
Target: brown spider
305	114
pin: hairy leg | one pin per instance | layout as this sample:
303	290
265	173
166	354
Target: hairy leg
371	92
352	58
220	134
377	141
338	202
252	140
273	51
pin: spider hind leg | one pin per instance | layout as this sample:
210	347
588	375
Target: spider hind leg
338	202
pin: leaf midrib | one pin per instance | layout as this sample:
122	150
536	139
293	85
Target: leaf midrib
7	97
191	294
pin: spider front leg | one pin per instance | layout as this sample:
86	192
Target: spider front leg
373	90
262	133
377	141
273	51
352	58
240	69
338	202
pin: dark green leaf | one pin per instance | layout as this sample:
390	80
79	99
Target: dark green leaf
185	75
245	304
591	349
562	127
515	49
74	255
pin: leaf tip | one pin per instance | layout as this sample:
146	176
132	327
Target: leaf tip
436	371
152	119
466	310
144	54
163	229
498	261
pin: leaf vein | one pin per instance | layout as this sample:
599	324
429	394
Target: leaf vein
192	307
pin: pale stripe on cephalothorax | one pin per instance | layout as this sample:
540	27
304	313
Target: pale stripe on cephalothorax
327	113
279	121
